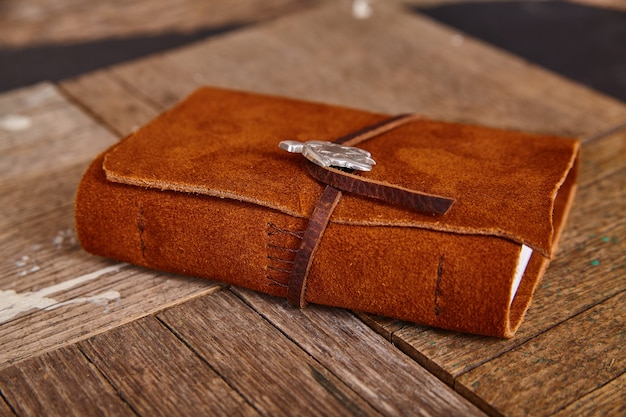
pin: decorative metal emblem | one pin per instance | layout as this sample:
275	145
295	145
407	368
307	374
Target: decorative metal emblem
328	154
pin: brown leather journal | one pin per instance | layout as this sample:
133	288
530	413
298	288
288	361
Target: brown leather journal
205	190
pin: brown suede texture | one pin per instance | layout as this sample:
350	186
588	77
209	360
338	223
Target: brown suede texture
204	190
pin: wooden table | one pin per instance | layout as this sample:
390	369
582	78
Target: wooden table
88	336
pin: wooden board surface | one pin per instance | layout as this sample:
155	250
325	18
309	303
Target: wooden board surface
392	62
568	362
377	64
305	365
337	340
61	382
496	100
53	293
36	22
157	375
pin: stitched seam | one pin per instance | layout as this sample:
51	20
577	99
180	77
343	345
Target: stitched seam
275	230
140	227
438	286
281	248
278	266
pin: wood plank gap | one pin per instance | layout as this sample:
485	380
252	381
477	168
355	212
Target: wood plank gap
269	321
60	383
99	330
485	406
314	371
321	379
534	336
5	405
597	178
119	394
446	377
604	133
605	401
261	361
203	359
136	92
113	101
509	384
338	339
149	365
75	101
589	394
384	326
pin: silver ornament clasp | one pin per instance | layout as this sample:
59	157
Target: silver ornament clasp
328	154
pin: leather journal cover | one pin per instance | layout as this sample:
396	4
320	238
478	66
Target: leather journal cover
205	190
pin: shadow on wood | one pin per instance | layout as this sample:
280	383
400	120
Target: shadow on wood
581	42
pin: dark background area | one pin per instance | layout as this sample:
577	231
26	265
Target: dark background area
586	44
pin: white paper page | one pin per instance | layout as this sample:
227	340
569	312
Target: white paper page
522	263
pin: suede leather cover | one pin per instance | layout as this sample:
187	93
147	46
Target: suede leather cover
204	190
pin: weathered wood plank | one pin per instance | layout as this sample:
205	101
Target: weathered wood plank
51	292
267	368
384	326
31	196
367	363
380	64
105	298
60	383
606	401
35	22
603	156
594	342
111	102
158	375
25	99
66	148
51	133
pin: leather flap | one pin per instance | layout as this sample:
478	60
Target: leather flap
224	143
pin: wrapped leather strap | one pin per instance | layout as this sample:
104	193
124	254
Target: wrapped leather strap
415	200
338	180
310	241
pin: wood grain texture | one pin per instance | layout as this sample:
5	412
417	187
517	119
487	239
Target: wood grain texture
35	22
111	102
5	410
259	362
606	401
566	363
157	375
604	155
384	326
379	64
44	132
366	362
60	383
393	62
26	99
51	292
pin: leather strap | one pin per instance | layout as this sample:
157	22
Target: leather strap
338	180
380	190
310	241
